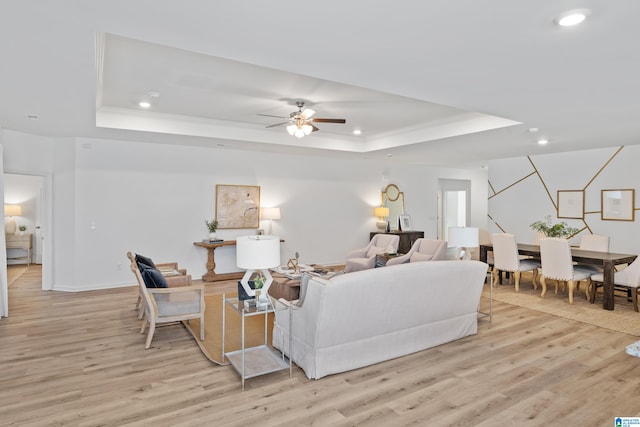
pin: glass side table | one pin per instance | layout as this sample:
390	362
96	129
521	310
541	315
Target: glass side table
260	360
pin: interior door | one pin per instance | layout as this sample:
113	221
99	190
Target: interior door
454	205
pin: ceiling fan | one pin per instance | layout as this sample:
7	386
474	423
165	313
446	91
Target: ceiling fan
299	123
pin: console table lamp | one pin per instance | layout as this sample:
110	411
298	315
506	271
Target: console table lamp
463	238
270	214
381	212
11	211
257	253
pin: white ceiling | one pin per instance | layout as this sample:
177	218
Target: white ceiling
434	82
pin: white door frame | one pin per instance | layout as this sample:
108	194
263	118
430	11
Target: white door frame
445	185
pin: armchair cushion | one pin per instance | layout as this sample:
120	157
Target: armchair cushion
153	278
144	263
417	257
375	250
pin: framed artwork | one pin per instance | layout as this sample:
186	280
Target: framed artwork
571	204
405	222
237	206
618	205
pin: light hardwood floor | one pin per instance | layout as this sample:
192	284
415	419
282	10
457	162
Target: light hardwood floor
77	359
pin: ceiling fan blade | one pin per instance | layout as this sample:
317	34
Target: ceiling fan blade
317	120
314	128
308	112
278	124
271	115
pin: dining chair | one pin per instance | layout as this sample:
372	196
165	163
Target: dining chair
594	242
557	264
627	279
506	258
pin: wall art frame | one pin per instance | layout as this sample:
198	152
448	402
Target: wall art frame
237	206
405	222
571	204
617	205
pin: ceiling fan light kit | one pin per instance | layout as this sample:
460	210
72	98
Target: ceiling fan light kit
299	123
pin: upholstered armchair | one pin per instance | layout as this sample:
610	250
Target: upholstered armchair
365	258
163	304
422	250
174	276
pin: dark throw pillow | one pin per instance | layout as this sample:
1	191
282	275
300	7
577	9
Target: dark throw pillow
144	262
153	278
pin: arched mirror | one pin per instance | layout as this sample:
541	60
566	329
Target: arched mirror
393	199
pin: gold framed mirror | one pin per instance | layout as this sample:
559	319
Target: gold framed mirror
393	199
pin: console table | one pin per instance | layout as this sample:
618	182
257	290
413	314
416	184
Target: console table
211	275
17	241
407	238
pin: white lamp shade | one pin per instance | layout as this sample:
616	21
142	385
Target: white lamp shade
381	212
257	252
463	237
270	213
12	210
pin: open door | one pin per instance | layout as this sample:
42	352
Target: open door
4	288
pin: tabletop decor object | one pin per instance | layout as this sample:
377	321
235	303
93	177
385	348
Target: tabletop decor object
549	229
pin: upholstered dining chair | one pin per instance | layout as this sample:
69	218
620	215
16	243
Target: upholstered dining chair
557	264
365	258
166	305
627	279
594	242
422	250
506	258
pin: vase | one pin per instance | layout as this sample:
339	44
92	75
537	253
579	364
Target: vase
213	236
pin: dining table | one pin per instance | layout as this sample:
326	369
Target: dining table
606	260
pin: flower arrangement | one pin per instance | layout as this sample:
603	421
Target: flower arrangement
549	229
22	228
258	281
211	225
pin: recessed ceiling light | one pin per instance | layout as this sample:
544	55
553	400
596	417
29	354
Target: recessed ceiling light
144	104
533	130
32	116
572	17
543	141
357	132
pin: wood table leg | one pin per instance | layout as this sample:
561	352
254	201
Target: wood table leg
211	275
608	302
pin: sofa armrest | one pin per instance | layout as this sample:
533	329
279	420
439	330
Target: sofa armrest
358	253
399	260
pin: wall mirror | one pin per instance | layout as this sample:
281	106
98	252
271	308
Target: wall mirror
393	199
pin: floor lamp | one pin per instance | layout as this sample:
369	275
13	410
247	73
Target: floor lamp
257	254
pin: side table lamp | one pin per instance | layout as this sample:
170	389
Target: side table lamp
257	253
463	238
381	212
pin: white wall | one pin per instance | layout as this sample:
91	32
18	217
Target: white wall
518	195
111	197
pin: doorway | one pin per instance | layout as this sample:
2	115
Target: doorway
454	205
30	192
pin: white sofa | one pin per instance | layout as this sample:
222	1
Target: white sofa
358	319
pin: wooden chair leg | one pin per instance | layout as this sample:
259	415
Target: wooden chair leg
152	329
533	279
543	283
516	276
572	286
144	325
201	327
634	296
495	277
138	302
587	289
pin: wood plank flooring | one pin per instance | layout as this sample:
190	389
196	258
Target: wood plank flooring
76	359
